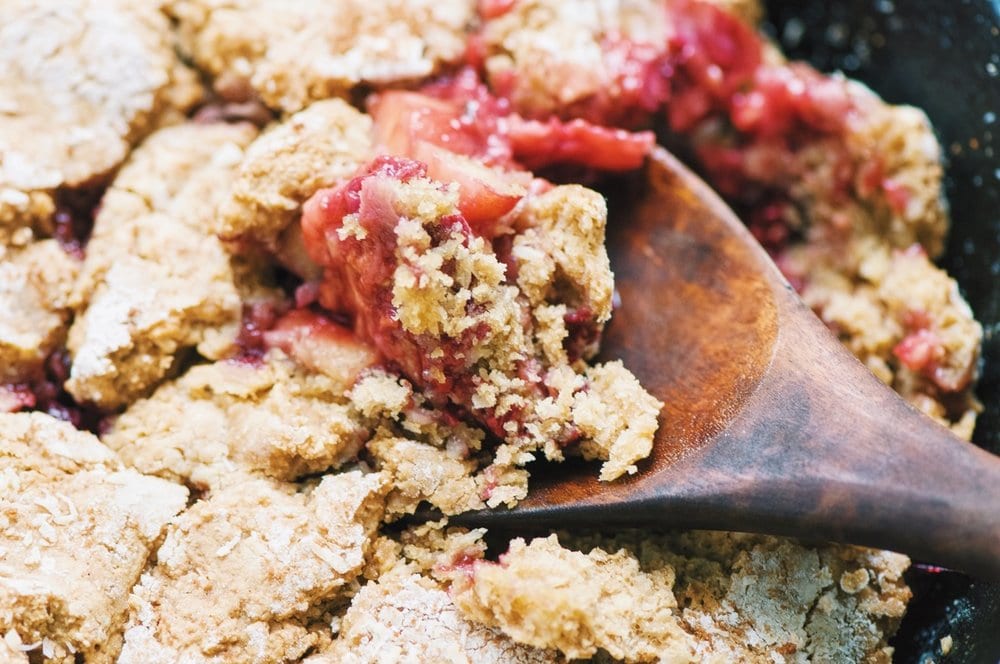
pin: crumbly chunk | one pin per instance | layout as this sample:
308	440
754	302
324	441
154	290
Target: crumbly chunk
905	319
154	281
239	573
310	49
75	533
549	597
429	455
220	420
41	446
434	298
408	618
552	57
721	597
312	149
82	81
35	284
892	193
422	472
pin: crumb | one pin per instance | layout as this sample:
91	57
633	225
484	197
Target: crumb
551	57
434	298
755	598
83	81
75	532
154	281
221	421
288	163
906	320
420	472
35	285
406	617
36	444
549	597
428	455
237	573
947	643
310	50
723	597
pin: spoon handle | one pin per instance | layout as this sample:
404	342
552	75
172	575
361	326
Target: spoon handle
822	447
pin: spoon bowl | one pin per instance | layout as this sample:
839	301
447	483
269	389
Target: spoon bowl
769	424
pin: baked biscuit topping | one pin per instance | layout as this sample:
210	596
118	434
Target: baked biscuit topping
83	81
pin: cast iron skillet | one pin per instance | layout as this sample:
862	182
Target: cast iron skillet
943	56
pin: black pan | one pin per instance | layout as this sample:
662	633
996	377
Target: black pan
943	56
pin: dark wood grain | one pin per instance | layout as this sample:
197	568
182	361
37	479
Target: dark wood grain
769	425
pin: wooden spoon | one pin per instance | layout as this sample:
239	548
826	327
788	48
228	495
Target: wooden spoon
770	425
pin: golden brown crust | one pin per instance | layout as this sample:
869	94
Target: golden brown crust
221	421
76	532
35	286
408	618
82	81
155	281
717	597
296	52
237	573
314	148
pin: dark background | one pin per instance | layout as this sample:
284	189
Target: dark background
943	56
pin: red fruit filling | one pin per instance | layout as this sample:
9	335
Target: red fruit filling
745	118
460	115
43	392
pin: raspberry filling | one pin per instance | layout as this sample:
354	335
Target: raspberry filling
44	392
460	115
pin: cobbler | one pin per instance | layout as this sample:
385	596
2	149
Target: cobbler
274	276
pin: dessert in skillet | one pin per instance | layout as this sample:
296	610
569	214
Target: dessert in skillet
276	274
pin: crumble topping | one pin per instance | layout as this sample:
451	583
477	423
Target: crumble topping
83	80
312	149
429	454
905	319
154	281
35	285
291	54
450	301
239	575
405	617
695	596
220	421
75	532
550	597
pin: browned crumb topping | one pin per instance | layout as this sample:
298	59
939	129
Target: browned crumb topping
220	421
35	285
239	573
405	617
312	149
551	51
550	597
718	597
905	319
154	282
75	532
82	81
291	54
428	456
